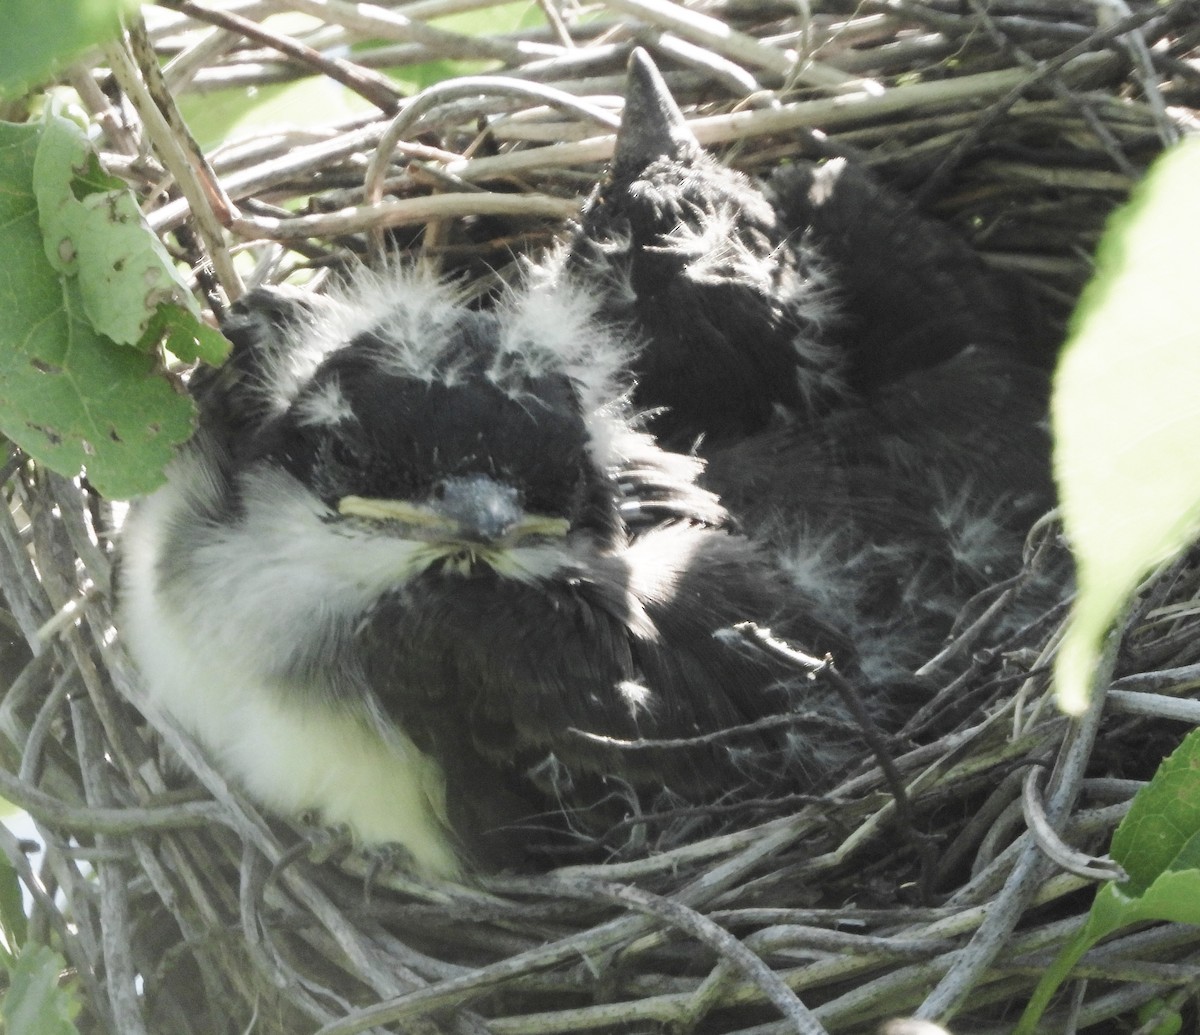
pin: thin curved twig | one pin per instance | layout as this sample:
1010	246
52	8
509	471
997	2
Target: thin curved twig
467	86
670	911
1071	860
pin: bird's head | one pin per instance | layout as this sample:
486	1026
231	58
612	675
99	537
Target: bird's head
471	441
471	461
671	204
694	254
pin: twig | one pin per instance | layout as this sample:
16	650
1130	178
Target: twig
1103	134
464	989
31	751
1139	52
698	926
1171	1004
1056	849
178	151
825	669
736	46
1158	706
66	934
120	971
468	86
68	614
22	588
392	24
29	682
377	89
830	114
770	722
401	212
967	637
1022	883
736	79
1001	108
295	161
98	820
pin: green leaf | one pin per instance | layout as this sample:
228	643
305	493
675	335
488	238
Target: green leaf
69	395
485	21
416	77
1126	411
493	20
1161	830
14	925
1158	845
36	1002
1167	1020
181	334
94	231
42	35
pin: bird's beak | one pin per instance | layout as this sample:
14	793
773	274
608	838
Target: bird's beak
652	126
470	510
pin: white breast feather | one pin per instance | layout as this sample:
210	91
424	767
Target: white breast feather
211	665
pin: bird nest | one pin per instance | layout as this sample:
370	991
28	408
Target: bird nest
940	882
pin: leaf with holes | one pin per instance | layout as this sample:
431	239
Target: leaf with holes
69	395
94	233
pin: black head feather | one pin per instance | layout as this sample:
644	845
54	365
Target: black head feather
694	255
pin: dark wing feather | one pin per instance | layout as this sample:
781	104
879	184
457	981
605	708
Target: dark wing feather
911	292
556	689
896	474
892	513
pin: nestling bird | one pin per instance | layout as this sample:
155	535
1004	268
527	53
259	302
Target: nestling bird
465	580
857	381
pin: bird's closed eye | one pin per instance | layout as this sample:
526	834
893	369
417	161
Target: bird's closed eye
346	453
